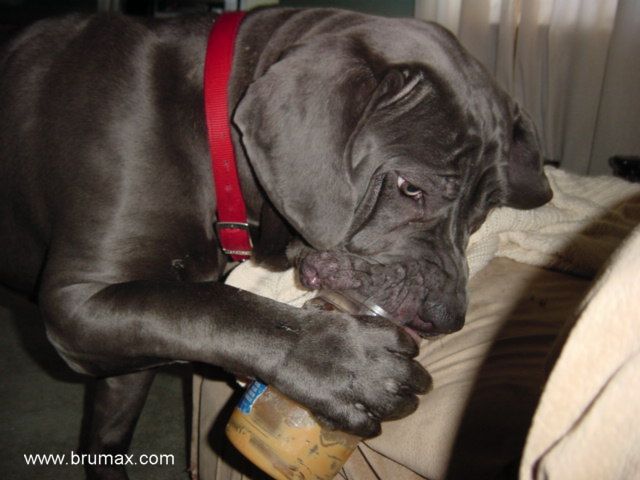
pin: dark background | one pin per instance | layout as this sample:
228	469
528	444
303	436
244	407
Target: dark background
16	13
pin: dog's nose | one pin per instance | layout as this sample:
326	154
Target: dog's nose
445	317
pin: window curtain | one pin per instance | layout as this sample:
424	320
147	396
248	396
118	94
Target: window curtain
573	64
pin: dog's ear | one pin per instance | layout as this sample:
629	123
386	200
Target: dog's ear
298	123
295	122
527	185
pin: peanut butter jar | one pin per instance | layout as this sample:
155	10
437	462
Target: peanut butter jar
282	437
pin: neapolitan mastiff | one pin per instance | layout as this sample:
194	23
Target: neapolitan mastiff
368	149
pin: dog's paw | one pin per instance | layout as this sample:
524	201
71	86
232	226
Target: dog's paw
353	372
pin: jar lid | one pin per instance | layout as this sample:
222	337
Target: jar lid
354	303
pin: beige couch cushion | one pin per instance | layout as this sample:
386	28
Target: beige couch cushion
587	425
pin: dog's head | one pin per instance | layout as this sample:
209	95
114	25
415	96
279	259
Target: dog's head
385	145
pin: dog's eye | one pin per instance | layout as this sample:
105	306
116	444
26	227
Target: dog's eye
408	189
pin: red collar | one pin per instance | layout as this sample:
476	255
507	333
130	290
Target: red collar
232	226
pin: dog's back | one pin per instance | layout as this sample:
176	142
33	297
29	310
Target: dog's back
24	62
33	112
75	89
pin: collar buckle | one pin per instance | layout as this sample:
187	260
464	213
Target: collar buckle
221	227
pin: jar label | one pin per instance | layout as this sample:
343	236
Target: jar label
251	395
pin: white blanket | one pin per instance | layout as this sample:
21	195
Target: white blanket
576	232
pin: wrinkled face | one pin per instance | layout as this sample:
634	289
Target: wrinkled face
407	258
384	169
406	247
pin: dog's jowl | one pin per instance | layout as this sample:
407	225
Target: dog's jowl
368	150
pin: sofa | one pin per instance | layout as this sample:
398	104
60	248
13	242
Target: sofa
543	382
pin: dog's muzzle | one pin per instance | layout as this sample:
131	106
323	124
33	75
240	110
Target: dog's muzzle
415	294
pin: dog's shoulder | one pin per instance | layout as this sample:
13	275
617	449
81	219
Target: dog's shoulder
101	31
44	35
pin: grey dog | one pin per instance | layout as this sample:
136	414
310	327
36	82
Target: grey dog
369	149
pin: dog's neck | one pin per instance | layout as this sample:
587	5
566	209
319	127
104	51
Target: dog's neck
271	232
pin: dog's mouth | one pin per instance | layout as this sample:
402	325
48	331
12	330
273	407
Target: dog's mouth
395	291
354	303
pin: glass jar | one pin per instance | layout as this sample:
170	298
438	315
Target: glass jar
282	437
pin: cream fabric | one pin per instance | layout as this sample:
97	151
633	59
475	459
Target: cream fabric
575	232
587	425
487	377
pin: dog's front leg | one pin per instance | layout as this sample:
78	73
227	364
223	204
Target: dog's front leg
123	327
352	372
106	330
